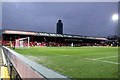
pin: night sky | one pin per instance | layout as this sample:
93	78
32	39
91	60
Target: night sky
83	18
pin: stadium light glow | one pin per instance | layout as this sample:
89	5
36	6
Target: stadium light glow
115	17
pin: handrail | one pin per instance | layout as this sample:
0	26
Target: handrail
29	69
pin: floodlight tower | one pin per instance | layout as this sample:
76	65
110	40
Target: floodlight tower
115	19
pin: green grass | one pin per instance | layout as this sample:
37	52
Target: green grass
72	62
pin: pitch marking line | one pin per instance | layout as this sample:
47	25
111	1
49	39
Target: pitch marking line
105	57
103	61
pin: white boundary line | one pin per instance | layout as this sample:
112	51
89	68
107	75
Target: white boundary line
108	61
105	57
102	61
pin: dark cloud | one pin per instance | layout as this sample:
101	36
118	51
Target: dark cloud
88	18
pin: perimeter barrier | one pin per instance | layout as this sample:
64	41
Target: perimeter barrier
21	68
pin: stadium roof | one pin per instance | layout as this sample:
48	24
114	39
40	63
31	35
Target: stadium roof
49	34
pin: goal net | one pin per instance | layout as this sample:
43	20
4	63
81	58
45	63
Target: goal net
22	42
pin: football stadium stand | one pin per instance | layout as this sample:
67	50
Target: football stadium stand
51	39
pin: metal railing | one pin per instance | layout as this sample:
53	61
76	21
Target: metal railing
26	68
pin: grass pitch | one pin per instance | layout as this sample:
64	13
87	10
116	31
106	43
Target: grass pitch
77	62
